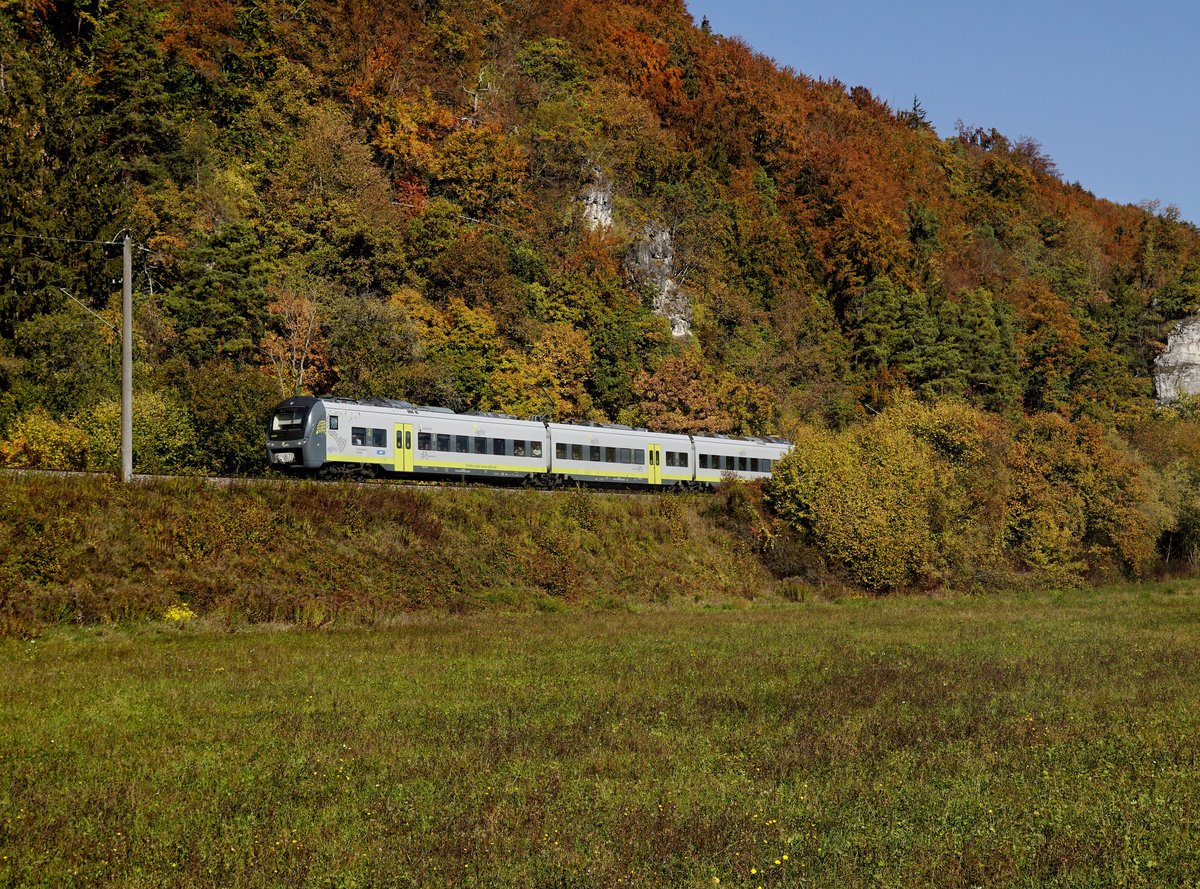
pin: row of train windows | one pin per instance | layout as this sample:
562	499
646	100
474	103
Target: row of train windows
478	444
365	438
597	454
503	447
729	464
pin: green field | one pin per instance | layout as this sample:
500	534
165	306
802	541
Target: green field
1026	740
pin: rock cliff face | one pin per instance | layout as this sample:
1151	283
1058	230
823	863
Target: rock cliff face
597	200
651	263
1177	369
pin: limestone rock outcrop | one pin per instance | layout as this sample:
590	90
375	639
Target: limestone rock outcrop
1177	368
651	264
597	201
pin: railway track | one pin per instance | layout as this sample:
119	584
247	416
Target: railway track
422	485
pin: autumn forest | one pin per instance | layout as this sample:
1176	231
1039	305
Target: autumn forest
590	211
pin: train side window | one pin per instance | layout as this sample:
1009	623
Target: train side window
741	464
639	457
683	458
576	452
333	421
671	458
379	438
624	455
480	444
535	449
518	448
610	455
462	444
704	461
560	451
498	446
594	454
358	436
764	465
424	441
443	442
729	463
754	464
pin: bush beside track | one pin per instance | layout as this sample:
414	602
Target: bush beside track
90	550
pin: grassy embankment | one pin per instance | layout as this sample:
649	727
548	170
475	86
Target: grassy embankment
88	550
1038	739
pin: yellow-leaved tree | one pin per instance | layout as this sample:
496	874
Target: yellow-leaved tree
923	495
549	381
863	497
38	441
1080	502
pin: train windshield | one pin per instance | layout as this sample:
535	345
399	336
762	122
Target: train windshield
287	424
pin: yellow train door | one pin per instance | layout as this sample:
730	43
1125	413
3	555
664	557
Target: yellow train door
404	447
654	458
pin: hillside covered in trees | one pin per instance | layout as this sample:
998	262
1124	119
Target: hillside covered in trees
586	210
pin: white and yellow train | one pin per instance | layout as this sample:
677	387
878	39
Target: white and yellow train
342	438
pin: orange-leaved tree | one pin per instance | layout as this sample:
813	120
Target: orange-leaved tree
294	348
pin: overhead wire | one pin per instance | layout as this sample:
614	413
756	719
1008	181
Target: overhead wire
57	239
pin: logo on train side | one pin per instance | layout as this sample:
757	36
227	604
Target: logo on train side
322	427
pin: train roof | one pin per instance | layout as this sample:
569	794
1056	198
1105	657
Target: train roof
748	439
398	404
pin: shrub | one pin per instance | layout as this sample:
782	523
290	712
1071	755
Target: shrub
929	494
972	483
864	498
229	407
1080	502
37	440
163	438
1170	444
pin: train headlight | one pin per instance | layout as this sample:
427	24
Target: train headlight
285	457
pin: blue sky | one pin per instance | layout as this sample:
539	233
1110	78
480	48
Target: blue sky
1110	91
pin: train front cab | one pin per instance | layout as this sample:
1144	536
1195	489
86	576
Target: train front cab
296	435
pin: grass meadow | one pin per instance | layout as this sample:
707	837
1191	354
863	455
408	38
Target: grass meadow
89	550
1016	739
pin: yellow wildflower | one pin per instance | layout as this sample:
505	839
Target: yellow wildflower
179	614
